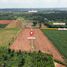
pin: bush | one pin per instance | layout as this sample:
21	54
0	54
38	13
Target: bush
22	59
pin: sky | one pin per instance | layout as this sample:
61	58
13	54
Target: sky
33	3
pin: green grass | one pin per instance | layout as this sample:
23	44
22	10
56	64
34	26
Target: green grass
7	35
59	38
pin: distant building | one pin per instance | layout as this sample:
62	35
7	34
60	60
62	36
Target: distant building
33	11
59	23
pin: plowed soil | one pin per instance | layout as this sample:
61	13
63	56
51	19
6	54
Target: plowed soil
6	21
41	43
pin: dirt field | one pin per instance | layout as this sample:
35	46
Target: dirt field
40	43
22	43
6	21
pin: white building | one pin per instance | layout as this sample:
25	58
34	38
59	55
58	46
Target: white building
33	11
59	23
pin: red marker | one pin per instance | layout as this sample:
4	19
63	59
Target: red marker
31	33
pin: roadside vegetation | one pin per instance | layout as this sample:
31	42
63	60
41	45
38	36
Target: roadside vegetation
10	58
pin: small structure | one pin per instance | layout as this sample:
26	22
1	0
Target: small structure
32	11
59	23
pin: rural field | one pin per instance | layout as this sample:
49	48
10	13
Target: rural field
12	38
31	39
59	39
6	21
6	36
43	45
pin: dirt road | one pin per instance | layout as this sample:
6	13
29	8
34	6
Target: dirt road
40	43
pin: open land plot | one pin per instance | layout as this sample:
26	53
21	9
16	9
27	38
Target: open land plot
6	21
22	43
41	43
7	35
59	38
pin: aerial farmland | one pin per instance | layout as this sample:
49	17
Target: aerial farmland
29	39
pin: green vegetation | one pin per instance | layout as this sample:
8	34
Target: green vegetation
3	25
48	19
57	16
38	18
7	36
59	38
10	58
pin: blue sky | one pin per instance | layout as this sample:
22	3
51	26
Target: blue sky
33	3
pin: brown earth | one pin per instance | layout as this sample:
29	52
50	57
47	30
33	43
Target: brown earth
22	43
15	24
40	43
0	42
6	21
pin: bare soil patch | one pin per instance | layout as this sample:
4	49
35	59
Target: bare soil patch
6	21
40	43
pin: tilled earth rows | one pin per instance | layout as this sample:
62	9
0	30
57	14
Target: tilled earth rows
40	43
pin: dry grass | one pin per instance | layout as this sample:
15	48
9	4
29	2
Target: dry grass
6	36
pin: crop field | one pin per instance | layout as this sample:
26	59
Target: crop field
47	47
6	21
10	58
7	35
59	39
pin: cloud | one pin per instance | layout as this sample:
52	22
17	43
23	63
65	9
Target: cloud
33	3
4	0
